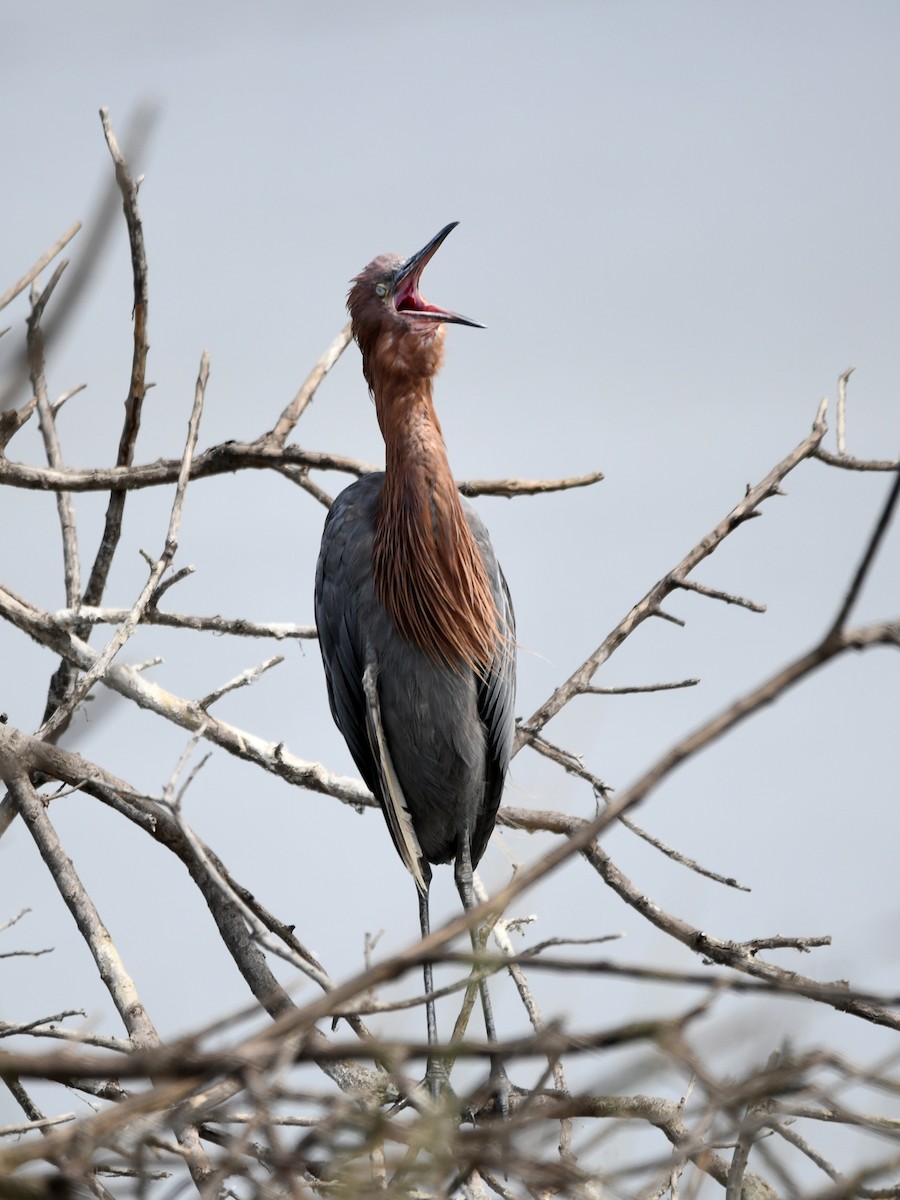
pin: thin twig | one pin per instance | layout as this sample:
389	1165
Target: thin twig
62	683
849	463
574	766
294	411
64	710
794	1138
112	970
501	937
210	865
650	604
836	994
137	385
24	753
691	585
261	1051
526	487
164	584
98	228
300	476
33	272
57	405
245	678
640	688
128	681
28	1126
232	456
35	342
80	1037
842	410
8	924
67	618
803	944
12	420
868	557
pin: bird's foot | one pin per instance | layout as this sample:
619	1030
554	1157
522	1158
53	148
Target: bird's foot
436	1086
437	1082
492	1099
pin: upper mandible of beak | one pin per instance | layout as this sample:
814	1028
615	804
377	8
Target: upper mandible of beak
406	285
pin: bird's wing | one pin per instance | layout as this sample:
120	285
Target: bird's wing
344	606
496	693
393	800
336	602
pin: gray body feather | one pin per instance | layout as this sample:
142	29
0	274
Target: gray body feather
431	741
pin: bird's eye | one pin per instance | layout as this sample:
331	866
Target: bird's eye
381	289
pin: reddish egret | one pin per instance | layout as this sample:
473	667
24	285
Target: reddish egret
415	621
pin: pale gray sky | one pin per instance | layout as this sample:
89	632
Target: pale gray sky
679	225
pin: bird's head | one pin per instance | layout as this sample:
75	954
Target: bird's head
395	326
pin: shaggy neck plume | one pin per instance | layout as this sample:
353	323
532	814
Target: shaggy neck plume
428	570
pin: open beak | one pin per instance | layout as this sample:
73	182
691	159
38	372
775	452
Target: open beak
407	297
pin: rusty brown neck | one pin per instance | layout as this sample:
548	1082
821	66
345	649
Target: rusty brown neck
428	570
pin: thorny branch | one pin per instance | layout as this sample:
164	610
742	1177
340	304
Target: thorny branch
346	1140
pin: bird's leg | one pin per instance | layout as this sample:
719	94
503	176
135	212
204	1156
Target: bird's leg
436	1074
466	890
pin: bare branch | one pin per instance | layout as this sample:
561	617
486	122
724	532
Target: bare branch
261	1051
664	616
574	766
44	1028
250	1084
728	954
130	683
849	463
233	456
300	476
137	385
35	343
55	407
526	487
691	585
62	683
501	937
44	261
98	668
218	460
8	924
12	420
109	965
21	753
868	557
243	680
294	411
68	618
640	688
842	410
29	1126
804	1147
803	944
98	230
650	604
